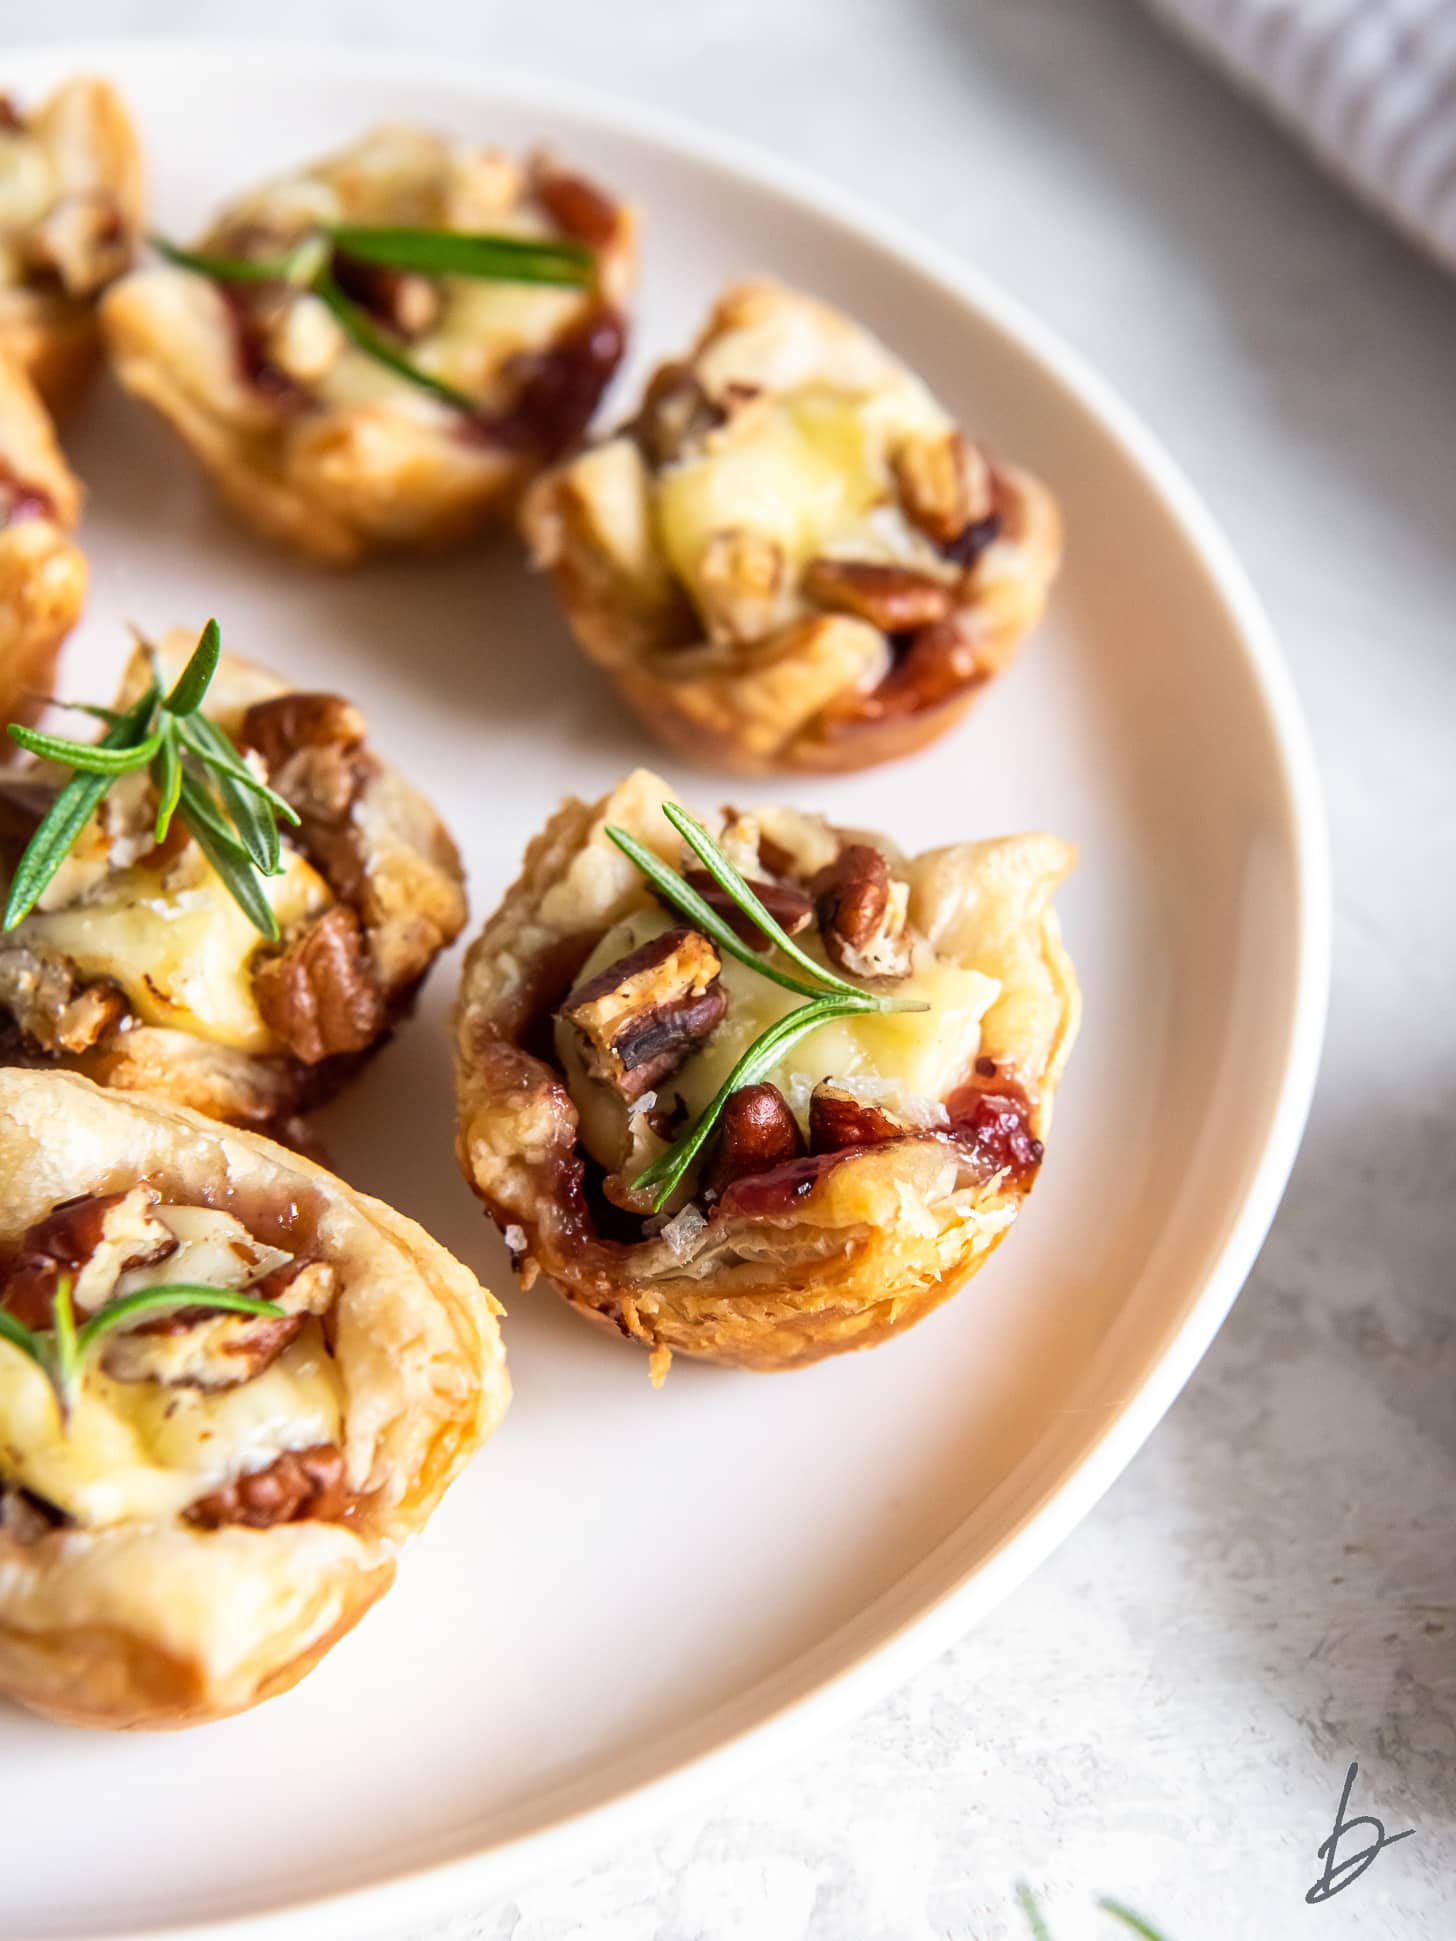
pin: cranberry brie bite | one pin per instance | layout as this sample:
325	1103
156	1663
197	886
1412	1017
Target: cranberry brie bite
791	558
764	1097
231	900
230	1389
379	350
70	211
42	570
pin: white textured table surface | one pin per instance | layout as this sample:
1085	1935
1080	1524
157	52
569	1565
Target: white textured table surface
1166	1712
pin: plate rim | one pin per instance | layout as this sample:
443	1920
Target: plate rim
827	1699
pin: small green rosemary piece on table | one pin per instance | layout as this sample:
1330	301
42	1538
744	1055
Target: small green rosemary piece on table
312	264
61	1351
830	996
197	772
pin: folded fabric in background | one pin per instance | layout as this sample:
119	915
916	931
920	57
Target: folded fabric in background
1370	85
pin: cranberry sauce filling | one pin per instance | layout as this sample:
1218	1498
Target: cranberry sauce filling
558	388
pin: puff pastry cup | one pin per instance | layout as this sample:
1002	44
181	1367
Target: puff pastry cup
70	214
138	969
42	570
877	1165
231	1492
791	558
319	446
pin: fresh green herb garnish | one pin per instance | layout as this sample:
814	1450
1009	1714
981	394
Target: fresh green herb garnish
189	758
1027	1902
60	1352
311	265
831	996
1130	1920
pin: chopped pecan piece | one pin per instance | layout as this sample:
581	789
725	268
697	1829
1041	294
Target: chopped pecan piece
641	1017
862	914
196	1347
838	1120
755	1131
945	485
320	995
41	995
285	723
301	1486
938	665
896	599
93	1238
790	908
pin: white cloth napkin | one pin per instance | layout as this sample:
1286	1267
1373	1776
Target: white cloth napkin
1369	84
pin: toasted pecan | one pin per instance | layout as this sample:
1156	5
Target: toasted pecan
756	1130
862	914
320	994
894	598
301	1486
638	1019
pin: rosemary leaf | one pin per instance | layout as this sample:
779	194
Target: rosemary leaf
196	677
215	746
228	857
168	777
19	1336
164	1297
699	912
1039	1929
221	269
256	826
366	336
87	757
728	878
1130	1920
450	252
67	816
761	1056
65	1354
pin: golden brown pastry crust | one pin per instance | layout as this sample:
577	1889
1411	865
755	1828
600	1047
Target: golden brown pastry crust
410	900
42	570
340	473
91	148
164	1624
880	1236
781	674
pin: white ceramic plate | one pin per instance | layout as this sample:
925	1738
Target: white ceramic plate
629	1585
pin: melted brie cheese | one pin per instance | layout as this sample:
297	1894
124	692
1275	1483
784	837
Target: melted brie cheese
924	1054
806	471
138	1451
177	943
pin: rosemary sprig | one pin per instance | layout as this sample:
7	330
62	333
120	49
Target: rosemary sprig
311	265
61	1351
1129	1919
831	996
197	772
